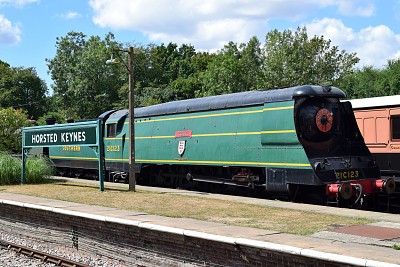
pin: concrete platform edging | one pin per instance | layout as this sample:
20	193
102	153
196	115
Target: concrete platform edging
309	253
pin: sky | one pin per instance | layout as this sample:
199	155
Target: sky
29	28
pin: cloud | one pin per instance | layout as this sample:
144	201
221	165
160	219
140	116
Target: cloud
373	45
69	15
72	15
351	8
9	34
174	20
210	24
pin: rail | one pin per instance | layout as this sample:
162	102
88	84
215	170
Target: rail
46	257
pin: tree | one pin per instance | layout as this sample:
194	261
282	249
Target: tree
84	86
22	88
234	69
371	82
361	83
392	77
292	58
165	73
11	123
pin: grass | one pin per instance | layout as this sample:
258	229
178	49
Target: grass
38	169
180	206
10	169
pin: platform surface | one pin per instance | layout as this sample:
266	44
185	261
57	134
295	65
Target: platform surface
374	242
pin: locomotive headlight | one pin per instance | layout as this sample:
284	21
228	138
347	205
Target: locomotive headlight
346	190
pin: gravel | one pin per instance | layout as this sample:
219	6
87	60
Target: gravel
10	258
57	242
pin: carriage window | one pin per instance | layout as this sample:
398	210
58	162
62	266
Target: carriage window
395	128
112	130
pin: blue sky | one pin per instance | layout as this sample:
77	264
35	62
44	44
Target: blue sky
29	28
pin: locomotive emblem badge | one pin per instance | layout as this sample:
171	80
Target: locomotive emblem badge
181	147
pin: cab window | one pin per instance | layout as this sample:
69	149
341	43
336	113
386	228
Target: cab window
112	130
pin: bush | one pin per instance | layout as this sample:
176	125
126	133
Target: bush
38	169
10	169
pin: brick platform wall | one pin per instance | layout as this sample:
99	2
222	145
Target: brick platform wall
145	247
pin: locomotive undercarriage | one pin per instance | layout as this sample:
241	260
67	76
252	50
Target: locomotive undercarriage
248	182
191	177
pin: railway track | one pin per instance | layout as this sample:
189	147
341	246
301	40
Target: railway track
45	257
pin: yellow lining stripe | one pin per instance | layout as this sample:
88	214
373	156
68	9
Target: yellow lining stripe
201	116
72	157
154	137
216	115
231	162
207	135
212	115
217	162
278	131
281	164
278	108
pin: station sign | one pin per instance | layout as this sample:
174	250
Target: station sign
63	135
88	133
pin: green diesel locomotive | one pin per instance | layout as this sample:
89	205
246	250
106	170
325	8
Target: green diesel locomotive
295	142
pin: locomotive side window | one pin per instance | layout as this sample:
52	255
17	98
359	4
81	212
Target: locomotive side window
395	122
112	130
120	125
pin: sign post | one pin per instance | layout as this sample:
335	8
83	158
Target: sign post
87	133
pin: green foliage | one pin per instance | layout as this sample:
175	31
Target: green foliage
164	73
291	58
396	246
11	123
151	96
10	169
22	88
84	86
38	169
58	116
370	82
234	69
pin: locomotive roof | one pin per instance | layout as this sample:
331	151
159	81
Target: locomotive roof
233	100
374	102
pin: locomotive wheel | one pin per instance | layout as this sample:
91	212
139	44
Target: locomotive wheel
62	172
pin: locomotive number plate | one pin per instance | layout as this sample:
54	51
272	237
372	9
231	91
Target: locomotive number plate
347	175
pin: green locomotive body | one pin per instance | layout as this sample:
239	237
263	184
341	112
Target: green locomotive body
283	141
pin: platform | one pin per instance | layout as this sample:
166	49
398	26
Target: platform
364	245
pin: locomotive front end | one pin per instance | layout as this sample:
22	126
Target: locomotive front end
329	134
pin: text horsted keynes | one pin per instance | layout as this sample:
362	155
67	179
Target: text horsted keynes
63	136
